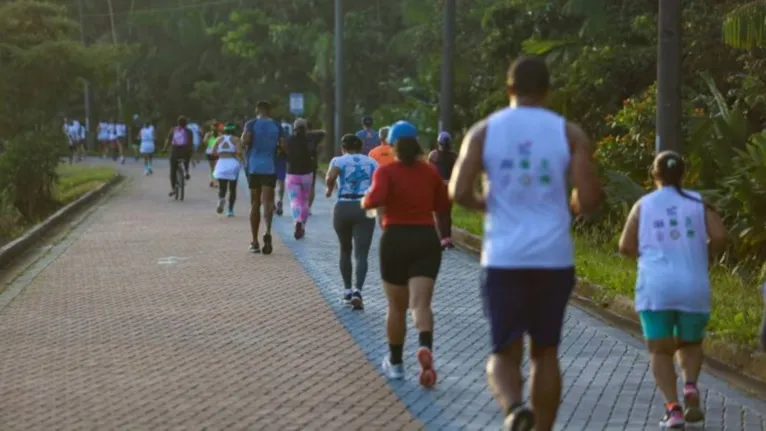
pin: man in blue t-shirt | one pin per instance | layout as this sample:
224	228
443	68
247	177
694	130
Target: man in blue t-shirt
370	138
262	136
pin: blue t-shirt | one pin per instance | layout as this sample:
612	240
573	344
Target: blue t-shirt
370	139
262	152
355	176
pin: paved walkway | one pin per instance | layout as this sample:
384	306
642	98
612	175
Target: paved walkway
152	315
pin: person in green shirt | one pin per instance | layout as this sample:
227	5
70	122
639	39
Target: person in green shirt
210	138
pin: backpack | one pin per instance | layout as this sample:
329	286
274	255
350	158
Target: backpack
180	137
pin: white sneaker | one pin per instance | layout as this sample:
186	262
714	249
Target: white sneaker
393	372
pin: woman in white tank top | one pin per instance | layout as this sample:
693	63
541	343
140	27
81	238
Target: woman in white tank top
147	146
228	152
670	231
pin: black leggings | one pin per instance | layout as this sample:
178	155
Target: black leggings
231	185
354	230
176	155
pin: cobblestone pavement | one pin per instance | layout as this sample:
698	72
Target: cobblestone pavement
608	385
152	315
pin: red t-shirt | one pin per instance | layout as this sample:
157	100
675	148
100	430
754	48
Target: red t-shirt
409	194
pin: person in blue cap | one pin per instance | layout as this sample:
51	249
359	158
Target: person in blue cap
411	191
443	159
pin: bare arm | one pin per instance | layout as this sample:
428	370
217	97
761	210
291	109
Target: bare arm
468	167
167	141
629	238
332	176
716	231
588	193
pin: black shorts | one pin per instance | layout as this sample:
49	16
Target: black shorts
408	251
211	158
256	181
526	301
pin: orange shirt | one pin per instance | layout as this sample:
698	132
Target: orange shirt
383	154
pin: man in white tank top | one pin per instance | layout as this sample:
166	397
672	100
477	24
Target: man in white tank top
527	153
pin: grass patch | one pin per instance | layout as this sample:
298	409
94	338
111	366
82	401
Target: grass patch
76	180
737	306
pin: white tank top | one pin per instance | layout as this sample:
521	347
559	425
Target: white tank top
672	253
147	134
226	146
528	221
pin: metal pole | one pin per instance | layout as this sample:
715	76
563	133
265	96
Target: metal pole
338	74
114	41
448	66
86	85
669	132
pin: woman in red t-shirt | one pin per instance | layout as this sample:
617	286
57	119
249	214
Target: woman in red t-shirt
410	191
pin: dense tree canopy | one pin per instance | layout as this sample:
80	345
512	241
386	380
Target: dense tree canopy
215	58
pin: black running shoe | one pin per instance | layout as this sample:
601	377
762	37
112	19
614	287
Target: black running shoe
267	247
346	299
356	300
520	418
279	211
255	248
299	231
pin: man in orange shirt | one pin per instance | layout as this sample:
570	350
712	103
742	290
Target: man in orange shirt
383	153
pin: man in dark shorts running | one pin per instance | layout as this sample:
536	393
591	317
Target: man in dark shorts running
528	153
262	137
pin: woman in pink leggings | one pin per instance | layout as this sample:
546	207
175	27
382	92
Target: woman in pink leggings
301	152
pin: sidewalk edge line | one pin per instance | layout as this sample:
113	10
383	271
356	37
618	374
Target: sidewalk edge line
730	374
17	247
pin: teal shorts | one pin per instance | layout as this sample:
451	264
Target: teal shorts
688	327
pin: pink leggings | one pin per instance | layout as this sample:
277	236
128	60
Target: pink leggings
299	189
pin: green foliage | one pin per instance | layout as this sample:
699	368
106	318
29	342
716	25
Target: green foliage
28	171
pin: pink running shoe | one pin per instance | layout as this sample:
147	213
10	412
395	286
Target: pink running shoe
427	372
692	411
674	418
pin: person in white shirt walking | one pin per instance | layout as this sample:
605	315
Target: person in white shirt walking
527	152
671	231
121	134
103	138
147	147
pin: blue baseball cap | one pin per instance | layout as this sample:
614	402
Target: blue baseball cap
444	138
402	129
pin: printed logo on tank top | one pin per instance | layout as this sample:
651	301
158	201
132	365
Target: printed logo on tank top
523	170
671	221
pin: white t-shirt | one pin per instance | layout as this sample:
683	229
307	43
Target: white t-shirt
103	130
194	127
147	134
121	130
355	176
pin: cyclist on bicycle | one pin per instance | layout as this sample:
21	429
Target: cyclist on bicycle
180	138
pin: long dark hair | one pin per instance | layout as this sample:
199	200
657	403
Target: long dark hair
408	150
669	169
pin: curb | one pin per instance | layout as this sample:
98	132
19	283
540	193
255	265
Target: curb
472	244
13	249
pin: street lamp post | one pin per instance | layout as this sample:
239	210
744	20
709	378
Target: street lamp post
668	128
338	74
448	66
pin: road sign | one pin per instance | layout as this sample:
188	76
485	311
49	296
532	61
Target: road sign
296	103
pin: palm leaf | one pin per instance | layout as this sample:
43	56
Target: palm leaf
745	26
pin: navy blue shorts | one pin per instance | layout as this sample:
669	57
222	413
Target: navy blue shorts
526	301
